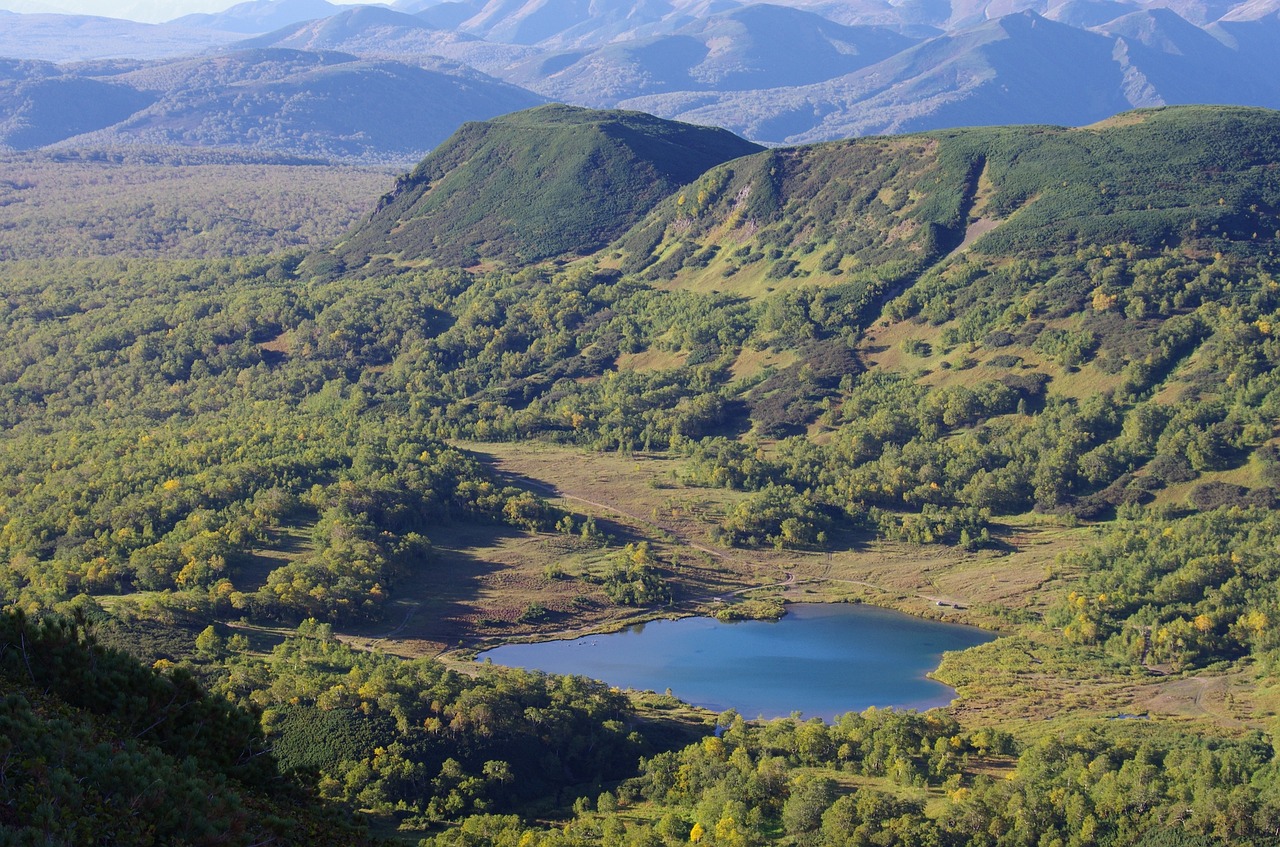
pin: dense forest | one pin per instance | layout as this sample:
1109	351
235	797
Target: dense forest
926	342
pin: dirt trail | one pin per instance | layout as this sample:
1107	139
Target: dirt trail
1196	696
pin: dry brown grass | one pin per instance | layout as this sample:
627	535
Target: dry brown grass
652	360
482	577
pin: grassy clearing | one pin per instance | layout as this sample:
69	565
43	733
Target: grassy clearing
482	577
751	363
652	360
643	496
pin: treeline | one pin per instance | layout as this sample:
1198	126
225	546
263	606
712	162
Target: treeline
424	742
806	783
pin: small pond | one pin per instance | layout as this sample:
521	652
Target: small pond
821	660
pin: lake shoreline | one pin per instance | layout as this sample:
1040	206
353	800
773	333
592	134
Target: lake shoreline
821	659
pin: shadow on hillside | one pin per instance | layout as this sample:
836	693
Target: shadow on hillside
442	600
286	542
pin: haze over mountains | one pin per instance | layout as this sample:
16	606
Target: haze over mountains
389	82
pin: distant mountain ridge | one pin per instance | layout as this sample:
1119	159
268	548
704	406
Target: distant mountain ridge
259	16
78	38
783	72
327	105
794	72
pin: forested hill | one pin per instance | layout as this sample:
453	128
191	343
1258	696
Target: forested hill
559	180
1064	307
536	184
881	210
100	750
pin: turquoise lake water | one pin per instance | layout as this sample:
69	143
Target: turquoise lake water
821	660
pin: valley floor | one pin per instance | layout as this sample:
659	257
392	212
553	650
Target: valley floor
1024	679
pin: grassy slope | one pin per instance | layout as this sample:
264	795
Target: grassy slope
537	184
878	212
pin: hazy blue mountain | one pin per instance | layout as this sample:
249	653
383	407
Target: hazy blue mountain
362	29
1175	61
1021	64
1256	40
328	104
257	16
333	106
24	69
1253	10
766	46
1087	13
1022	68
788	71
374	31
585	23
447	15
763	46
70	38
43	108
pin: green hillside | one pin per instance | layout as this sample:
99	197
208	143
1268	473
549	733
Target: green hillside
879	211
550	181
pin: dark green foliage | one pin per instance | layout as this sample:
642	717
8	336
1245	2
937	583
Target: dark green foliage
966	527
385	733
631	578
778	516
307	738
98	749
169	712
550	181
1211	495
1104	186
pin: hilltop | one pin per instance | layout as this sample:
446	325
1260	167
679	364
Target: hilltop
882	209
536	184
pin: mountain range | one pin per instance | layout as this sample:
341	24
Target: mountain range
792	71
319	104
